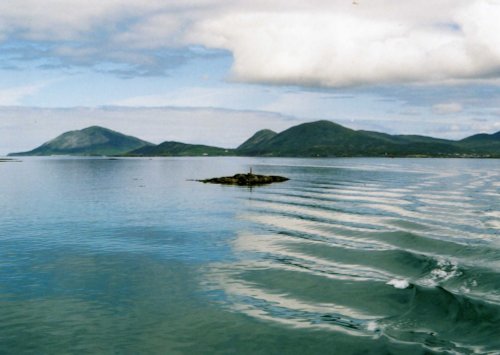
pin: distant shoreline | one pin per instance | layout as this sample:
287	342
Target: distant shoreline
319	139
119	157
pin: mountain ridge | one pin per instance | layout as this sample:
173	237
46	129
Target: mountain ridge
93	140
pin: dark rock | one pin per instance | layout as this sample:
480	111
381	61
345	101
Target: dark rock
245	180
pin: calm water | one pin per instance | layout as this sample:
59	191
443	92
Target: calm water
351	256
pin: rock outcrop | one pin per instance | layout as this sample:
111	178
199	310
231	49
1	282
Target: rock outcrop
246	180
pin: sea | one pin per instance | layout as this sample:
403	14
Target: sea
350	256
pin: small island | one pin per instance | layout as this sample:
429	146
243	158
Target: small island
249	179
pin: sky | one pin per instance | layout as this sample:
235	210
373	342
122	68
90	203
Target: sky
216	71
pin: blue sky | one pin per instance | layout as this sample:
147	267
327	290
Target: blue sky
213	71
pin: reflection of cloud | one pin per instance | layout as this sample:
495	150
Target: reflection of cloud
78	299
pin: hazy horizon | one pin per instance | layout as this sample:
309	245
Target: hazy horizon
199	134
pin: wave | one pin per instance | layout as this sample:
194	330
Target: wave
410	256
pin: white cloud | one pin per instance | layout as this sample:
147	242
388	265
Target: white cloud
15	95
344	48
301	42
61	20
155	32
227	97
447	108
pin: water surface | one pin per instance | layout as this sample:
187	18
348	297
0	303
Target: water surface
351	256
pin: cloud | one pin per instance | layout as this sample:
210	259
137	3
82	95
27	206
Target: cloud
301	42
234	97
447	108
15	95
126	37
340	47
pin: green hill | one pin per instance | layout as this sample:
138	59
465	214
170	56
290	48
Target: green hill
325	138
89	141
180	149
482	144
321	138
482	138
258	139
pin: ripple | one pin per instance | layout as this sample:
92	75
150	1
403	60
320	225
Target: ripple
374	258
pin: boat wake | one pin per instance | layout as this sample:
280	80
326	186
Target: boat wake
409	257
